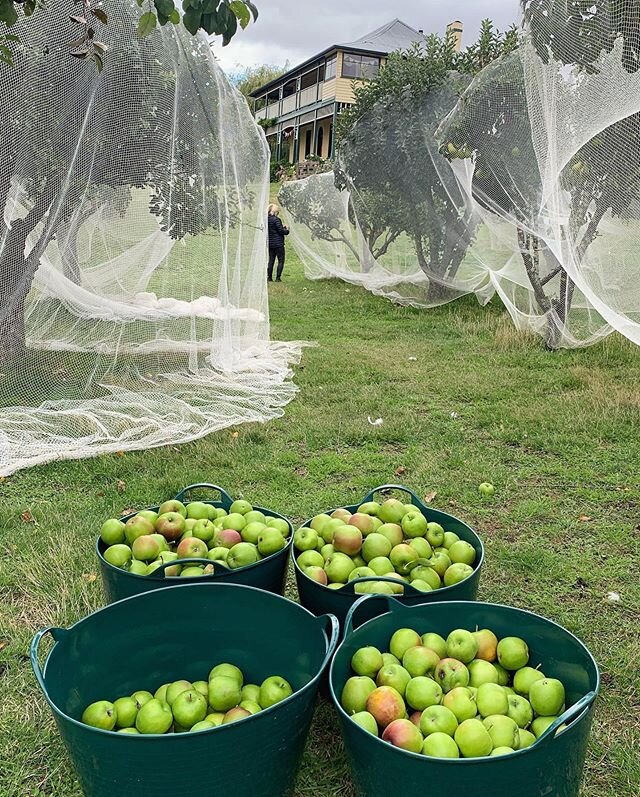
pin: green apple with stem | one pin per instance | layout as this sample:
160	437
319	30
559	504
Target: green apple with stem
462	645
438	719
461	702
154	717
273	690
101	714
394	675
414	524
457	573
547	697
270	541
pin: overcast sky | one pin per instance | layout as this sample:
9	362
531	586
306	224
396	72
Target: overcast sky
294	30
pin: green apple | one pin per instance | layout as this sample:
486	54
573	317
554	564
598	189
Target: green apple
391	511
434	534
403	733
348	540
255	516
440	562
273	690
402	556
540	725
503	730
501	751
440	745
173	506
310	559
389	658
198	510
136	527
461	702
228	671
402	640
435	642
481	672
252	706
355	693
145	549
270	541
240	507
235	521
449	538
100	714
215	718
129	730
280	524
428	574
327	550
513	653
381	566
224	692
547	697
451	673
218	554
202	726
162	543
202	687
503	675
473	739
367	661
422	692
524	678
252	531
526	739
213	512
251	692
492	699
319	522
520	711
393	532
486	490
242	555
457	573
462	552
461	645
171	525
161	692
366	721
385	704
305	539
141	697
376	588
422	586
419	660
176	688
138	568
126	712
338	567
414	524
150	515
438	719
422	547
118	555
394	675
154	717
204	530
361	572
192	571
335	585
189	708
369	508
375	546
112	532
329	529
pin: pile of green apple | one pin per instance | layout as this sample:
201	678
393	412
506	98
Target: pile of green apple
390	540
235	539
183	706
469	695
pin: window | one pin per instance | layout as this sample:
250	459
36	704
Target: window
332	68
330	148
307	144
360	67
320	141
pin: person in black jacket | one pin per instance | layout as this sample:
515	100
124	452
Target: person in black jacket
277	233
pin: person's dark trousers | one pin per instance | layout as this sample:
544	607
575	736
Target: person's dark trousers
273	254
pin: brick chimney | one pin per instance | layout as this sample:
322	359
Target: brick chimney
455	29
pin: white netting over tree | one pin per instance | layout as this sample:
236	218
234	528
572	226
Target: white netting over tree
133	302
535	177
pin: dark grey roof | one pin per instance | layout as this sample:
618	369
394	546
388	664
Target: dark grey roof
395	35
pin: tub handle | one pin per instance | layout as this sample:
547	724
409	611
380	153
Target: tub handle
329	622
412	589
58	634
370	496
226	499
218	567
571	713
348	623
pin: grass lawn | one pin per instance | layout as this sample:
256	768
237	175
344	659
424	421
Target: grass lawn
464	398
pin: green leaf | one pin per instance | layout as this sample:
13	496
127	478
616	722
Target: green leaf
147	24
253	10
164	7
191	20
8	13
174	17
241	11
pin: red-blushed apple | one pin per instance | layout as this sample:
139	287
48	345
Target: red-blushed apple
451	673
487	645
355	693
192	548
227	538
236	714
348	540
415	717
473	739
364	523
403	734
145	549
171	525
418	660
317	574
341	514
173	506
385	704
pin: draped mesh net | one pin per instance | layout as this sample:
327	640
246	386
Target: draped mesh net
523	183
133	307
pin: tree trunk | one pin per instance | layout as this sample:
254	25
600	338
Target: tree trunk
13	342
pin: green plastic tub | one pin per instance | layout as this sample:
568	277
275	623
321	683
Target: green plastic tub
181	632
551	767
322	600
268	574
